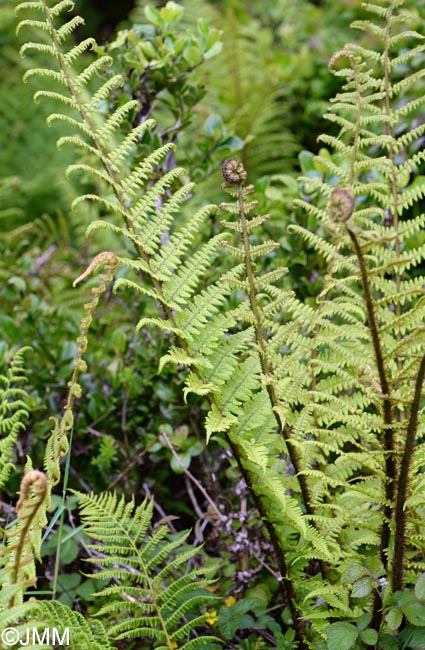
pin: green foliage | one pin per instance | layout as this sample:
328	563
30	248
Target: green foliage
25	154
83	634
162	597
161	60
13	412
319	402
152	571
250	103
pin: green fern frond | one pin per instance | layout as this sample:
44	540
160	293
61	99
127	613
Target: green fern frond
369	207
13	411
148	565
64	626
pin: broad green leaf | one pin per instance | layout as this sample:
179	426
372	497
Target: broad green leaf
341	636
415	613
154	16
394	618
193	55
213	50
362	587
352	573
172	13
364	621
420	587
370	637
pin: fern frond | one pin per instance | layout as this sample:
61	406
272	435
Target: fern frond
69	627
375	165
13	411
148	562
24	539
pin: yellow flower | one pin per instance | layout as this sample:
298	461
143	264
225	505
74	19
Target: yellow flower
212	616
230	601
174	645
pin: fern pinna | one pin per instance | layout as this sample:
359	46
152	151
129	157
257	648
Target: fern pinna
321	406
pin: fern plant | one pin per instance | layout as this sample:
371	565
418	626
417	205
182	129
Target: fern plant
13	412
368	202
155	596
345	380
321	406
151	595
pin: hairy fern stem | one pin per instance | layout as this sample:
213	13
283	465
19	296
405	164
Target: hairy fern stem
373	325
390	464
403	483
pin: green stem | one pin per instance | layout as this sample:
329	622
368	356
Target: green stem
62	518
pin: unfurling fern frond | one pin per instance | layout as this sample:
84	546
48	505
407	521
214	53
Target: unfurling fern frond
17	557
58	444
155	595
301	382
268	337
